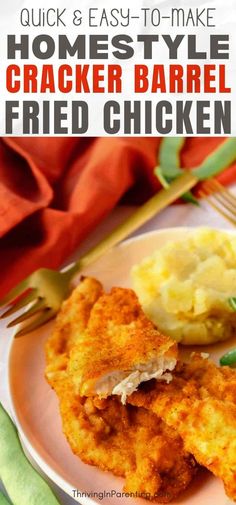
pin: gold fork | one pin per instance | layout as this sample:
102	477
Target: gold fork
45	289
220	199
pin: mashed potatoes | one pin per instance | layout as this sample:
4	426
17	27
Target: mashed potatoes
184	287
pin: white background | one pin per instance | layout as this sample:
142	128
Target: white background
225	21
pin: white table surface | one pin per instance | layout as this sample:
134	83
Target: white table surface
176	215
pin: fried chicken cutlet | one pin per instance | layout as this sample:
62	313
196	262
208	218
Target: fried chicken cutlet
119	349
200	404
71	321
131	442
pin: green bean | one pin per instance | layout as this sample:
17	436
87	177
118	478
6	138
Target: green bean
3	500
21	481
169	156
213	164
190	198
232	302
229	358
164	182
218	160
169	168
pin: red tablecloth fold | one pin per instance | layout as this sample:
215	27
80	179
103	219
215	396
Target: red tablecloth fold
54	191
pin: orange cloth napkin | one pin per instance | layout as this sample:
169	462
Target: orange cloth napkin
54	191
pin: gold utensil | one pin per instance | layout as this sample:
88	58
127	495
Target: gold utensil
220	199
45	289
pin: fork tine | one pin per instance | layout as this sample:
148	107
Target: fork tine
216	186
222	195
219	209
219	197
21	303
14	293
43	318
226	205
38	306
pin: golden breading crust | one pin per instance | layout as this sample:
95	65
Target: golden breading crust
70	323
200	405
118	339
131	442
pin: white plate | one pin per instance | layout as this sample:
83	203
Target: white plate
35	405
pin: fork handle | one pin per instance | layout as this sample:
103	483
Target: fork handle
154	205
